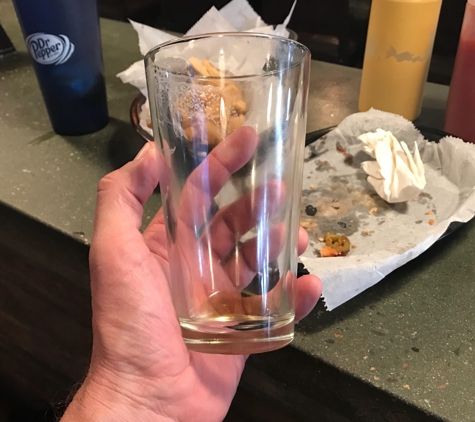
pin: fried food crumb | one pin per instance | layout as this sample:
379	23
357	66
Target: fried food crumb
431	221
199	66
308	224
353	246
406	386
214	107
321	239
366	233
328	251
372	210
430	212
313	187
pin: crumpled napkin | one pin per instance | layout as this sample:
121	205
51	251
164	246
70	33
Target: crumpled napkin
396	175
394	234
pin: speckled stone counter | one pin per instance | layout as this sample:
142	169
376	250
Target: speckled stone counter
401	351
51	177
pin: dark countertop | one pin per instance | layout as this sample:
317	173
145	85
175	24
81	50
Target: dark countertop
38	167
406	344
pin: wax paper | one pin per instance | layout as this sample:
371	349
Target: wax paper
237	15
385	236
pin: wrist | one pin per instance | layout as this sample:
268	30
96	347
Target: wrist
99	400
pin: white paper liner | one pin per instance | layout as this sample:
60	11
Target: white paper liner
212	21
237	15
241	15
398	232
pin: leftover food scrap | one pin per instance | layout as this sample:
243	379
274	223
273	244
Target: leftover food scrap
210	109
310	210
335	245
372	210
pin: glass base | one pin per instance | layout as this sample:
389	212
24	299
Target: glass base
238	336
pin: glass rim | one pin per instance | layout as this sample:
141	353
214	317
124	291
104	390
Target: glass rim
176	41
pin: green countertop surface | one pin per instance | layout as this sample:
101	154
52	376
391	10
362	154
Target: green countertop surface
411	336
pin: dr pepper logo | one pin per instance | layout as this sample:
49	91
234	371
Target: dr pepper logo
49	49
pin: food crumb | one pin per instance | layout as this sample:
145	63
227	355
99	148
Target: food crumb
366	232
321	239
431	221
310	210
372	368
336	245
442	385
372	210
328	251
406	386
430	212
353	246
376	378
313	187
338	335
308	224
405	365
365	357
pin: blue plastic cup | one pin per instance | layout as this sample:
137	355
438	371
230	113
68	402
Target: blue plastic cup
63	38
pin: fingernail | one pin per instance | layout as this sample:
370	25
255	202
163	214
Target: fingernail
143	151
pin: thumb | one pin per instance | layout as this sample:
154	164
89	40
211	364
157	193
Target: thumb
120	199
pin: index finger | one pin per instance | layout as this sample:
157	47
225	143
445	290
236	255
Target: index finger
211	175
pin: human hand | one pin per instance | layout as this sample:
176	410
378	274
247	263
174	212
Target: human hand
211	251
140	367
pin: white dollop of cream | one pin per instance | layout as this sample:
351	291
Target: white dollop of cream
396	175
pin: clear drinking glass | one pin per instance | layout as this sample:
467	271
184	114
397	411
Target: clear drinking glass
229	118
